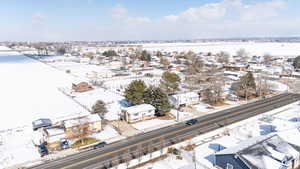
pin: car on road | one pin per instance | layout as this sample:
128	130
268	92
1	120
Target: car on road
191	122
99	145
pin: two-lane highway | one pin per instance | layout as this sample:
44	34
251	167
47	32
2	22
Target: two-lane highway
122	150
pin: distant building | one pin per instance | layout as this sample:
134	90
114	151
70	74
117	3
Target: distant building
236	67
264	152
82	87
138	113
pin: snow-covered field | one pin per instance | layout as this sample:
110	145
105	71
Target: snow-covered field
277	49
29	91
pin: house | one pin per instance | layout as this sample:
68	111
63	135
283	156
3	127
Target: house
263	152
91	122
138	113
53	137
184	99
232	75
236	67
82	87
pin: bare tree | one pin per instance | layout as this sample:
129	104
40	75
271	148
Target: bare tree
223	57
165	62
214	93
263	85
243	55
81	131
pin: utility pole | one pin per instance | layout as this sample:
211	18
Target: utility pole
194	159
177	118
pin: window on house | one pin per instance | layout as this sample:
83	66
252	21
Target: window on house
229	166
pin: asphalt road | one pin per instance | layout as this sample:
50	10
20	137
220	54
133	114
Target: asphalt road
138	145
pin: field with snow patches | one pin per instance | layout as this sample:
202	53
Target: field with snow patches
277	49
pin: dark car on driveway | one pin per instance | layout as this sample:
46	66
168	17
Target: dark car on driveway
99	145
40	123
43	150
191	122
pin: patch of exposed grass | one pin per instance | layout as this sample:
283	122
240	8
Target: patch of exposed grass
84	142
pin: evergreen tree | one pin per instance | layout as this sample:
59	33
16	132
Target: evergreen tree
170	82
145	56
296	63
99	108
110	53
135	92
61	51
157	98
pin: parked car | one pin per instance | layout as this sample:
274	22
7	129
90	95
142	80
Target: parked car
43	150
64	144
191	122
40	123
160	114
100	145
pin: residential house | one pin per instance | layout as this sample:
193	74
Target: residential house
82	87
236	67
184	99
91	122
264	152
53	137
138	113
232	75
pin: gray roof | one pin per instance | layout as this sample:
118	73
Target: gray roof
264	152
244	144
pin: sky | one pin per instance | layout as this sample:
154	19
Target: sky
96	20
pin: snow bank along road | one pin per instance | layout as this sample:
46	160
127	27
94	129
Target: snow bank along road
133	147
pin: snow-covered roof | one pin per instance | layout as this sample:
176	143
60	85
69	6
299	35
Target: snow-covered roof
262	151
185	95
82	120
139	108
55	131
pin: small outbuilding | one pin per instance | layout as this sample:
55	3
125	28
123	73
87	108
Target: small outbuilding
82	87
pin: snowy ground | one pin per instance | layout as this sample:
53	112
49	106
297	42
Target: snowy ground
83	70
113	101
17	147
107	133
276	49
29	91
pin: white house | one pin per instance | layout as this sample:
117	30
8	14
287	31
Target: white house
188	98
138	113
